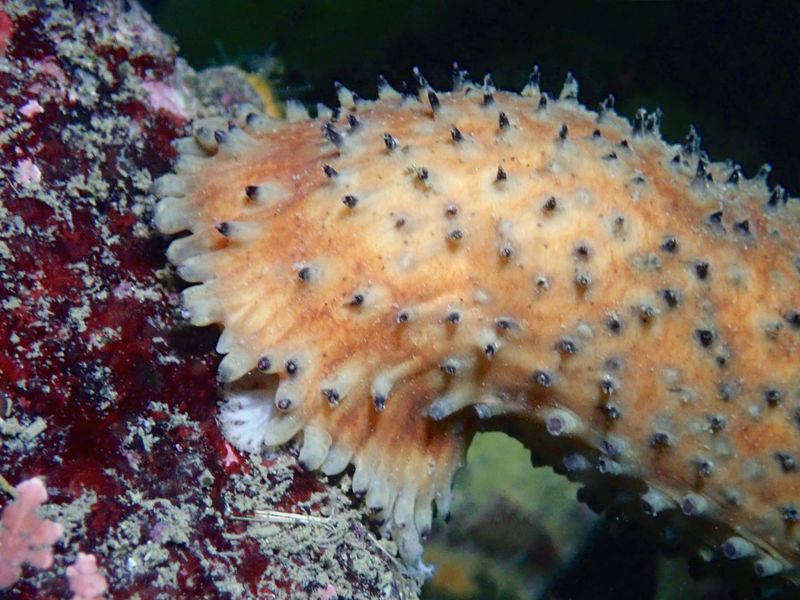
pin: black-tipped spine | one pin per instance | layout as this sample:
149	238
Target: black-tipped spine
535	78
332	135
390	141
433	99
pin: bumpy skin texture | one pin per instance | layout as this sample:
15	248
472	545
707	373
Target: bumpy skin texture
418	267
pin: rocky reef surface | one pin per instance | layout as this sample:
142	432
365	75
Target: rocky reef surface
104	393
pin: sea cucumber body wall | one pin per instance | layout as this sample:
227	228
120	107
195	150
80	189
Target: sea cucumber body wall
396	277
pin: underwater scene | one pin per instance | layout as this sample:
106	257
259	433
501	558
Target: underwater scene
441	300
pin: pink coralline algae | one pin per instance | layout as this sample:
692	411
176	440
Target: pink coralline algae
31	109
85	580
28	172
25	538
165	97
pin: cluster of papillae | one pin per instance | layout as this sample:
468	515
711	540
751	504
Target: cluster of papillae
397	273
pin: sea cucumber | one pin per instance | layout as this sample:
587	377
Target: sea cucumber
395	275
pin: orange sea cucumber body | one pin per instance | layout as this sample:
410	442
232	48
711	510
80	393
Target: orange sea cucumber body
394	278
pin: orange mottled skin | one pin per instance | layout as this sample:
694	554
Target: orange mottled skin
587	324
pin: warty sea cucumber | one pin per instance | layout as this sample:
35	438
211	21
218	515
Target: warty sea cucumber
395	275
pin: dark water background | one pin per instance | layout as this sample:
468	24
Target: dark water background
731	69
